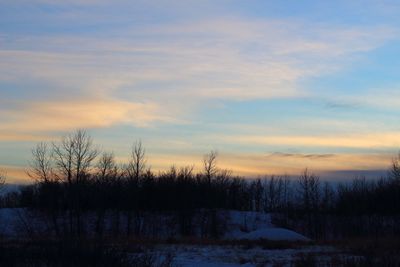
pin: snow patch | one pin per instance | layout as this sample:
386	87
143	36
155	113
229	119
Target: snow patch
275	234
250	225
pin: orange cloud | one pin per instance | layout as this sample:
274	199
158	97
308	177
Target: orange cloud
13	136
275	163
15	174
379	140
67	115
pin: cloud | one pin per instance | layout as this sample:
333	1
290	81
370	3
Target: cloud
382	98
83	113
230	58
144	74
255	164
304	156
11	135
377	98
341	105
378	140
15	174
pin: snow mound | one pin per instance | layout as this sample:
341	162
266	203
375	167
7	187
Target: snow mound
249	220
275	234
250	225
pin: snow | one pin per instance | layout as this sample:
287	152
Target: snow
9	218
235	256
275	234
240	225
250	225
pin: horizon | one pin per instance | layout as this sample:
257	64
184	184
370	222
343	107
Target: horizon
273	87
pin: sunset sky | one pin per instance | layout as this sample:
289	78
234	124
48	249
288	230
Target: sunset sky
273	86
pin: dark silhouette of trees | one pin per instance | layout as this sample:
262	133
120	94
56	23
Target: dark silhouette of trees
135	171
4	201
62	175
80	191
41	168
273	193
106	177
258	194
210	166
309	191
137	163
2	178
74	156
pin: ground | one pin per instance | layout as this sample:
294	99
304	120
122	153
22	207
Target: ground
250	240
234	256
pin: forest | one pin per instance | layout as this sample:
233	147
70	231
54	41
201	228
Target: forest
80	193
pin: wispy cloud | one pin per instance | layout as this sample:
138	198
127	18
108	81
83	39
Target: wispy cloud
228	58
15	174
60	115
267	164
186	65
341	105
378	140
304	156
100	64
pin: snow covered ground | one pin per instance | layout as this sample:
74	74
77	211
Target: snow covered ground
235	256
248	225
240	226
275	234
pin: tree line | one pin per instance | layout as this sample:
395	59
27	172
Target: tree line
78	190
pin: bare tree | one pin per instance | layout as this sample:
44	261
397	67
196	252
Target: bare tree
328	195
210	172
2	179
394	172
210	165
258	194
40	168
107	176
287	197
73	158
310	195
309	190
274	189
107	169
74	155
186	172
135	170
137	163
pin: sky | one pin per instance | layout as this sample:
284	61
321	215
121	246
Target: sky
273	86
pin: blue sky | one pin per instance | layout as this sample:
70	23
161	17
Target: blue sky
274	86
